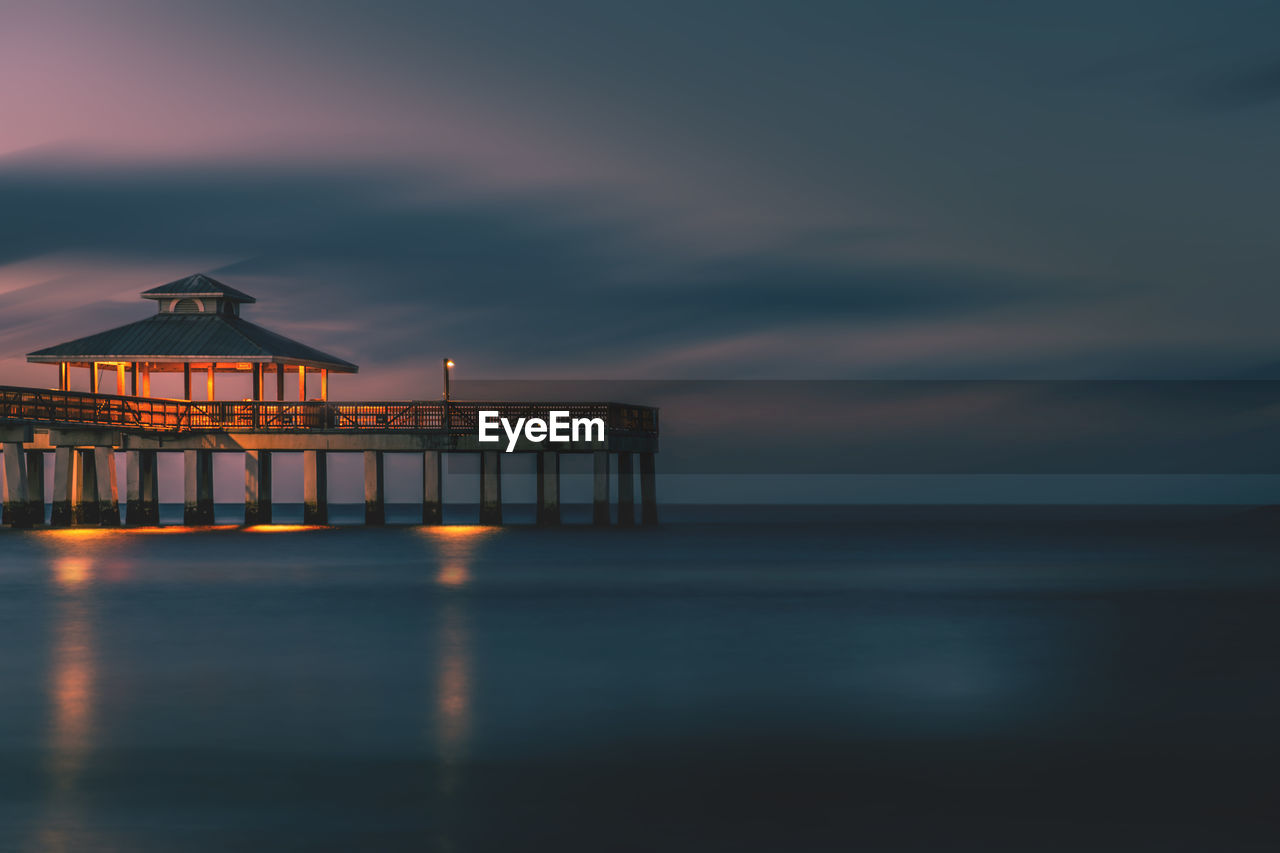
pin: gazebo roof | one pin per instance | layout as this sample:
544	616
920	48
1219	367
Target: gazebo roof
197	285
219	337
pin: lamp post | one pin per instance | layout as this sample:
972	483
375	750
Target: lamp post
448	363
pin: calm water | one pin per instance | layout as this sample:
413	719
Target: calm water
736	680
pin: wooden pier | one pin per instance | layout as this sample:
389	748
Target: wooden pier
83	433
197	330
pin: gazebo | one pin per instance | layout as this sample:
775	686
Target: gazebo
197	327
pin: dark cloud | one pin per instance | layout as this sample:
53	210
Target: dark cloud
386	264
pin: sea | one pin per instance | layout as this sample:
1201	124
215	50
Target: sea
735	679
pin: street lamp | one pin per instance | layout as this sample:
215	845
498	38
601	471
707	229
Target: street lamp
448	363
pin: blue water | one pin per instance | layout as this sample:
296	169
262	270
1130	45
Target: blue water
738	679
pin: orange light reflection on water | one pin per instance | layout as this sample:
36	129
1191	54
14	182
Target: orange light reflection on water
456	546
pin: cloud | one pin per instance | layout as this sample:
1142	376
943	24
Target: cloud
380	267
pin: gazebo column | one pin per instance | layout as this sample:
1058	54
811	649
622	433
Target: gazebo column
375	504
432	504
84	489
257	487
197	503
64	376
626	490
302	383
549	488
490	487
257	381
133	378
93	377
315	487
146	379
104	464
210	388
142	489
600	487
186	380
648	489
324	384
280	382
120	379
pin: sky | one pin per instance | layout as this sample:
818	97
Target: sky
659	191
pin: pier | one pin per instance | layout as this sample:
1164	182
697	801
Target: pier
198	332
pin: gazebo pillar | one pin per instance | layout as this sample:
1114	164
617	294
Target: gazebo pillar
279	382
133	378
302	383
257	381
93	377
210	390
120	378
186	380
146	379
324	384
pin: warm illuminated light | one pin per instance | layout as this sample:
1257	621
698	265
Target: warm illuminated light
448	363
72	572
457	545
284	528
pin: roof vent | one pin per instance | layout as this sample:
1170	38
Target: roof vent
188	306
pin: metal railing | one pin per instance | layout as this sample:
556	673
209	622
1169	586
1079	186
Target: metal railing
145	414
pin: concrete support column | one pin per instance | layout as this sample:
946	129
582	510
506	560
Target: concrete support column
648	489
257	487
490	487
600	488
85	508
315	487
35	486
142	489
432	493
63	477
104	466
375	505
626	490
197	503
16	500
548	488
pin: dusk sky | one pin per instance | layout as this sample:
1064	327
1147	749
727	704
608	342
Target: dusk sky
907	190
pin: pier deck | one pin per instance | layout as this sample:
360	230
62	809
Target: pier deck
84	430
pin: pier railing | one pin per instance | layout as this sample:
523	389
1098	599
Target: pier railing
147	414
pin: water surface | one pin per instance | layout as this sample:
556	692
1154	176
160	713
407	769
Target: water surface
745	679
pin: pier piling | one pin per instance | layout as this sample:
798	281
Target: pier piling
197	505
432	503
600	488
548	488
257	487
626	490
490	487
142	489
375	507
315	487
648	489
